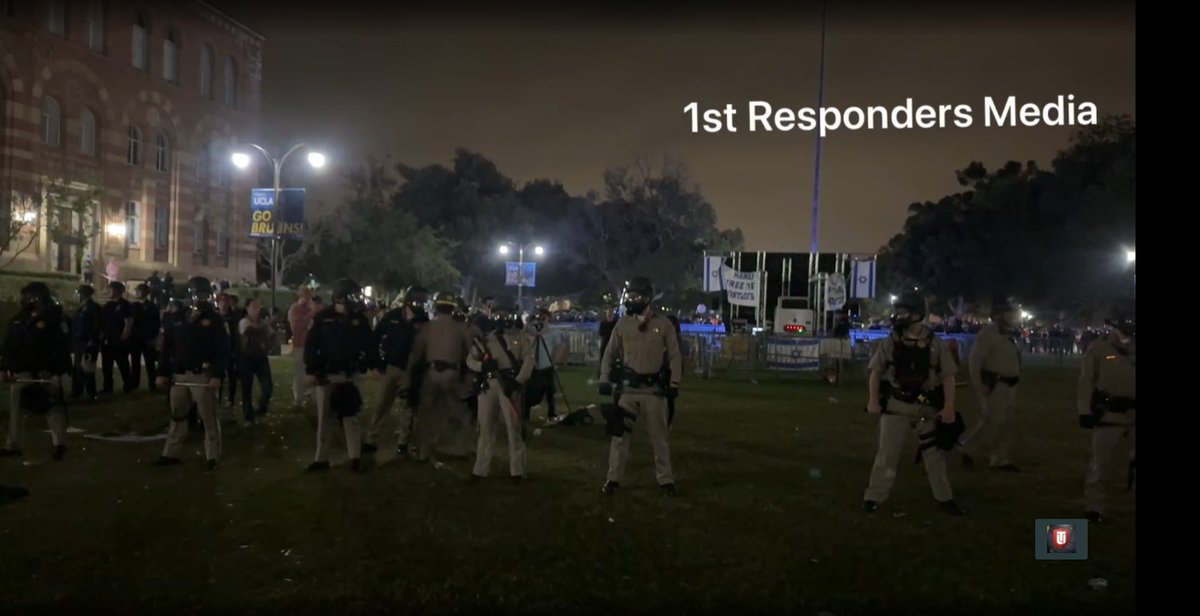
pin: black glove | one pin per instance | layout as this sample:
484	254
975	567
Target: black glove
1087	422
673	391
509	387
606	389
490	365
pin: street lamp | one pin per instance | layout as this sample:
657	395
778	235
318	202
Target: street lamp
1129	256
242	160
537	250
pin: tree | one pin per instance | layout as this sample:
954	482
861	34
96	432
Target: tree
67	212
369	238
1046	237
654	222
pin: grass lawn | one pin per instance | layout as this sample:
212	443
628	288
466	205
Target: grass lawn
768	518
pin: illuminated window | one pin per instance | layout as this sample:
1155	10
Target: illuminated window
132	225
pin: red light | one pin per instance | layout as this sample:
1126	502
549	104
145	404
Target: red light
794	329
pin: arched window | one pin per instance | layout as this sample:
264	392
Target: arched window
206	72
95	25
162	156
140	30
134	155
230	83
51	121
87	133
169	57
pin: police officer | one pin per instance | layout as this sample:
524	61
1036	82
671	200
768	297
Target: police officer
638	343
144	344
394	338
912	384
337	353
503	363
35	356
994	371
195	349
116	334
232	316
85	342
439	351
1106	402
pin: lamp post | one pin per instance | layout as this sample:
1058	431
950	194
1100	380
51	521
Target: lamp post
242	160
537	250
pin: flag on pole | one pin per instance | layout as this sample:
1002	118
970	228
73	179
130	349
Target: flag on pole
714	276
862	274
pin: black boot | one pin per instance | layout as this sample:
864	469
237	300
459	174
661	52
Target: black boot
870	506
60	451
165	461
317	467
951	507
610	487
667	489
369	448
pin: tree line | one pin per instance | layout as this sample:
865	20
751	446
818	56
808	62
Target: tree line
1053	239
441	226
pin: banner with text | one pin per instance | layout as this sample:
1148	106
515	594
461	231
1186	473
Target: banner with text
285	219
744	288
835	292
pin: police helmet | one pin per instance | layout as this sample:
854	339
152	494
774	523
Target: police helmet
117	287
200	291
416	297
142	291
506	314
346	291
638	295
1122	319
908	309
84	292
445	303
36	296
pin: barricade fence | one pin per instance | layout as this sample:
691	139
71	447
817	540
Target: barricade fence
708	352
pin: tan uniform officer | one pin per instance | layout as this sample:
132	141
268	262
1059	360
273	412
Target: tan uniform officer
440	350
994	370
633	361
503	359
194	355
1106	403
912	377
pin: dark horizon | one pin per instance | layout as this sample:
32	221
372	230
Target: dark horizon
565	94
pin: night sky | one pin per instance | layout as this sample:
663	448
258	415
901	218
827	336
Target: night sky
563	95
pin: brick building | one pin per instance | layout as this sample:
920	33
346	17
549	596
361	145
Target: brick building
137	103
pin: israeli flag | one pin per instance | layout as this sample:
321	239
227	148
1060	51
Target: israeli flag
714	277
862	278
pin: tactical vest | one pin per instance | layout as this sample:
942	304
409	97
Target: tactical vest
910	366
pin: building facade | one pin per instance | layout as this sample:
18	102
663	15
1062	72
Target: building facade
136	104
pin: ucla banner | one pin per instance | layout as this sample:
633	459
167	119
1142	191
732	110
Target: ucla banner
520	274
285	219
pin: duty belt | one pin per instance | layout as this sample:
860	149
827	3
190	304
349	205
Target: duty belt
1105	402
442	366
633	379
990	379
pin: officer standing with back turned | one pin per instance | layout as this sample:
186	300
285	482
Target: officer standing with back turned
1107	400
912	385
633	363
85	342
394	338
994	370
35	357
336	355
439	352
503	362
195	349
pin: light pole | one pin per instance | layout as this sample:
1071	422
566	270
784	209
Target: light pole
537	250
242	160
